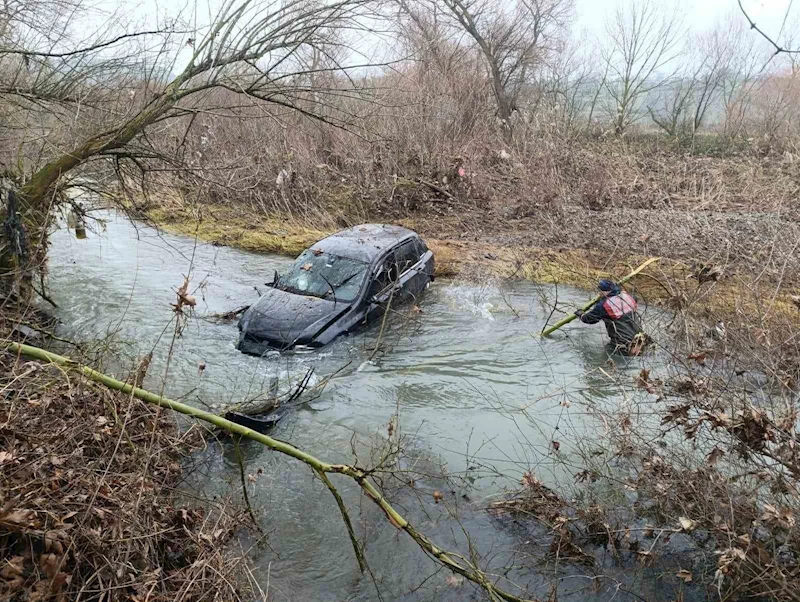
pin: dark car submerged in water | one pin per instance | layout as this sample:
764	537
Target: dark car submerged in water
338	285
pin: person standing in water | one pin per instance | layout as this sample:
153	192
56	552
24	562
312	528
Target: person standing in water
618	311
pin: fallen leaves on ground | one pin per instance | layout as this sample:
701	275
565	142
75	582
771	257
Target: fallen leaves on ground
83	484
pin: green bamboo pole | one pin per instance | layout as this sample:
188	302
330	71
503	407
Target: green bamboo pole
448	559
588	306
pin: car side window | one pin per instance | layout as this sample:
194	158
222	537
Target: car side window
387	274
407	255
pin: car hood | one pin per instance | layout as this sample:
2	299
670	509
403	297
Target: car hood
284	318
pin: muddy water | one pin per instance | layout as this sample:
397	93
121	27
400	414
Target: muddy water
479	398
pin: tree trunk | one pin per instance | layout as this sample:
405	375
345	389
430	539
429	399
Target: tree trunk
34	196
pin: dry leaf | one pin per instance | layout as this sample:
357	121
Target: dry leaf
714	456
307	267
744	539
317	252
685	575
721	419
783	518
437	496
201	366
6	457
556	445
19	518
101	421
416	309
12	567
189	300
52	543
68	516
700	358
727	558
49	564
454	580
687	524
566	403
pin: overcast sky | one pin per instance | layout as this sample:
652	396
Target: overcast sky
591	15
699	14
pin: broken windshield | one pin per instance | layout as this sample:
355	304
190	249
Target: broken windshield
319	274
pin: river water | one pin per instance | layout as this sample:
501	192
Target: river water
478	397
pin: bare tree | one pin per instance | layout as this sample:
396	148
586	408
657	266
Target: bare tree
563	81
686	101
744	59
675	103
642	39
513	39
252	48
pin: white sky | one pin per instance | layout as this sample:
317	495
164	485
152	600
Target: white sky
768	14
699	14
591	14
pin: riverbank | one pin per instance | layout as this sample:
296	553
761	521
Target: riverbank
712	290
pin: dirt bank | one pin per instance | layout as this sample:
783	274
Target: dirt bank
573	246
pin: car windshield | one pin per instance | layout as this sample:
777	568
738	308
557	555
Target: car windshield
319	274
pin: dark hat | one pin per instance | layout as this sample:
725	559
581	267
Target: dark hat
607	286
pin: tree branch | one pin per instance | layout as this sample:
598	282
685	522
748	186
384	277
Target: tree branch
88	49
778	48
449	560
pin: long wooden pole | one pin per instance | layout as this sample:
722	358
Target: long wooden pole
452	561
588	306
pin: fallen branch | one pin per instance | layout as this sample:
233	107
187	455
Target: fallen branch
228	315
438	189
450	560
588	306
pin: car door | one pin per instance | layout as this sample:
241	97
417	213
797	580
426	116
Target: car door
400	277
412	276
381	292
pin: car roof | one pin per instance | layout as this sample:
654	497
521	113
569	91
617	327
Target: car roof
364	242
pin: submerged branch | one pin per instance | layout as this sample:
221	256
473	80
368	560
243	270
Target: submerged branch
448	559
